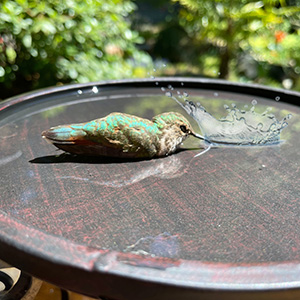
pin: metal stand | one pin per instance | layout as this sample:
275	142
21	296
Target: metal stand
16	285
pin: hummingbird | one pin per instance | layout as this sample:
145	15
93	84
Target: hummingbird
123	135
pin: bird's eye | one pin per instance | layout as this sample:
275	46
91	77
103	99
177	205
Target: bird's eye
183	128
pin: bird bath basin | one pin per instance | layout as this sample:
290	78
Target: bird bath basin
178	227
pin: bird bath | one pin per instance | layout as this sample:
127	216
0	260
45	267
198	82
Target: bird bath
176	227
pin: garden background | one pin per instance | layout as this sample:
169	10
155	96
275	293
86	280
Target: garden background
54	42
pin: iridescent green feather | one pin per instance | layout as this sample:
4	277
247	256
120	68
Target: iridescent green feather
127	132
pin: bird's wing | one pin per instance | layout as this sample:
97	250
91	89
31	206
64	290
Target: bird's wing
126	132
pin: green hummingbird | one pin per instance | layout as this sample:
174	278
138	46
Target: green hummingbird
123	135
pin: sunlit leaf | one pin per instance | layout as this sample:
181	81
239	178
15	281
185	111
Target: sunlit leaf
11	54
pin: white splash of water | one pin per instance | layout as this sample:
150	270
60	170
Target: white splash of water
238	127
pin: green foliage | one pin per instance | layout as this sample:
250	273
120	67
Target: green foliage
268	30
49	41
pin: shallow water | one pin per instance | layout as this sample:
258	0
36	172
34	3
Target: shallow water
233	204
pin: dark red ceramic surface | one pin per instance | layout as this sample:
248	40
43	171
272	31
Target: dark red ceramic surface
184	227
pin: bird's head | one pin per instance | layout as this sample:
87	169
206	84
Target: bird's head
175	123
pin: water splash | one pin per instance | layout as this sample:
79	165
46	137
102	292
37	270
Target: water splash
95	90
238	127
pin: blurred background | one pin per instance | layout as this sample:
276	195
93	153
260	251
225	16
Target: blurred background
54	42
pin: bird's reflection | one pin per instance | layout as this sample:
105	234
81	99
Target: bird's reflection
169	167
120	173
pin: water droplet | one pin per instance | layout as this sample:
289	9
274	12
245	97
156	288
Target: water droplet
162	88
79	92
156	83
289	116
246	106
178	92
271	116
272	127
233	105
277	98
185	94
168	94
154	70
164	65
226	106
259	126
95	90
152	77
216	94
254	102
170	87
198	104
182	83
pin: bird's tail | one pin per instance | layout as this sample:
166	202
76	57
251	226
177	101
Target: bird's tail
66	134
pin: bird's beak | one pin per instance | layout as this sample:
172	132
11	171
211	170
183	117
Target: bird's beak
198	136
